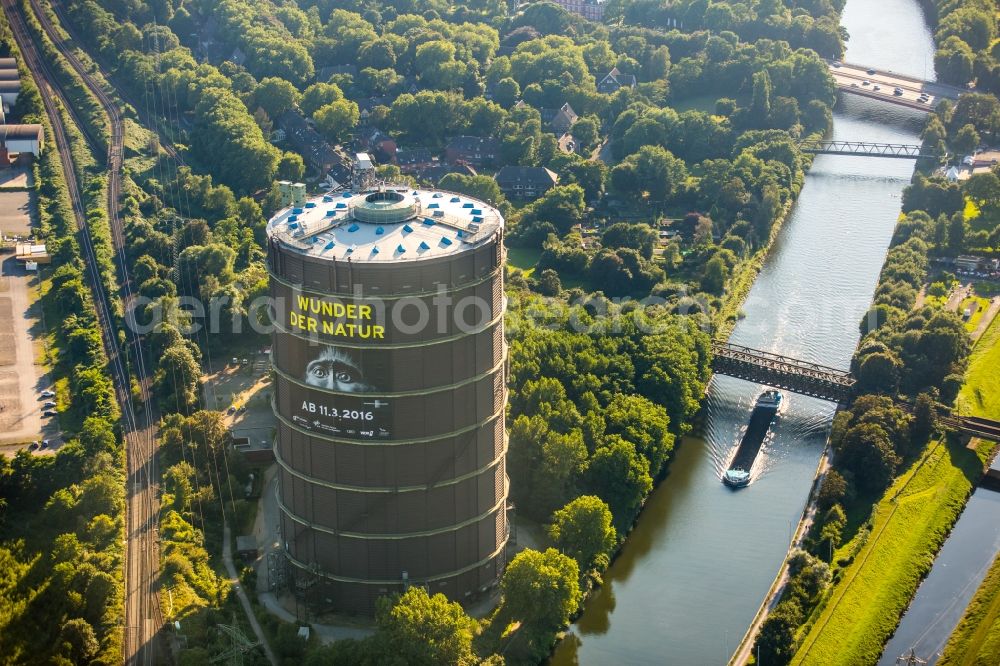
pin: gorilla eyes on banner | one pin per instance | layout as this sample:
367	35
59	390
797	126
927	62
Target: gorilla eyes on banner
336	370
357	416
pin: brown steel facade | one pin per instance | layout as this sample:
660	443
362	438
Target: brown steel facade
390	441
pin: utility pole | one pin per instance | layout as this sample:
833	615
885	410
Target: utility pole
910	659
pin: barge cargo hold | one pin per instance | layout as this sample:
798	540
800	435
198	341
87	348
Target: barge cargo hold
763	415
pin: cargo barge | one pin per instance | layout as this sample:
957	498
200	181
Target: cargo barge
763	415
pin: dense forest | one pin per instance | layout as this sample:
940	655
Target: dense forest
965	35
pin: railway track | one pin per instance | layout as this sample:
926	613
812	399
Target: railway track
148	119
142	613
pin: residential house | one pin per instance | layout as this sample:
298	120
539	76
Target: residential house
614	81
323	74
411	160
380	143
559	120
307	141
366	106
520	182
592	10
434	173
474	150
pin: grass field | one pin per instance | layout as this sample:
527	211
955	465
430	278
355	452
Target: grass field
976	640
980	395
978	306
523	258
860	612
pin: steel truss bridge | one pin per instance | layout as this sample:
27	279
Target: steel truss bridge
865	149
790	374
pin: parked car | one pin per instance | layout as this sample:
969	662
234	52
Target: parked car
47	394
33	446
49	405
48	412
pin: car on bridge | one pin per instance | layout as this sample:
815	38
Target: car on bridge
897	92
871	71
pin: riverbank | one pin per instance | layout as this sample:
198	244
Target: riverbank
976	640
741	282
858	614
745	647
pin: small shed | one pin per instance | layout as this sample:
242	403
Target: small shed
246	546
35	253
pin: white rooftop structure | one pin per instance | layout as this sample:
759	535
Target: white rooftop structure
385	224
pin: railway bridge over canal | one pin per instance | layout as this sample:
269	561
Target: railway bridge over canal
784	372
901	151
820	381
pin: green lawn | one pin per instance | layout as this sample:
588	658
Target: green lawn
976	640
861	611
978	305
980	396
523	258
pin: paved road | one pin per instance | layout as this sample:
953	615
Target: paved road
234	580
851	78
991	311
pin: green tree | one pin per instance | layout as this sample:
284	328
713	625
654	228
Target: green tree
714	275
639	237
337	119
832	491
654	170
867	452
775	644
548	283
276	95
541	589
506	92
620	476
966	140
586	131
319	95
760	106
582	529
78	640
562	206
291	167
417	628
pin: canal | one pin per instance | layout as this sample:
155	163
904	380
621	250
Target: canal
702	557
958	570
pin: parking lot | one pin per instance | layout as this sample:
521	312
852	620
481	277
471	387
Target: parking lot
14	214
242	390
21	379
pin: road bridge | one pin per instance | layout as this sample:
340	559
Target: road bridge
790	374
865	149
879	84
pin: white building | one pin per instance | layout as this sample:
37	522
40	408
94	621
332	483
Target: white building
21	139
9	90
